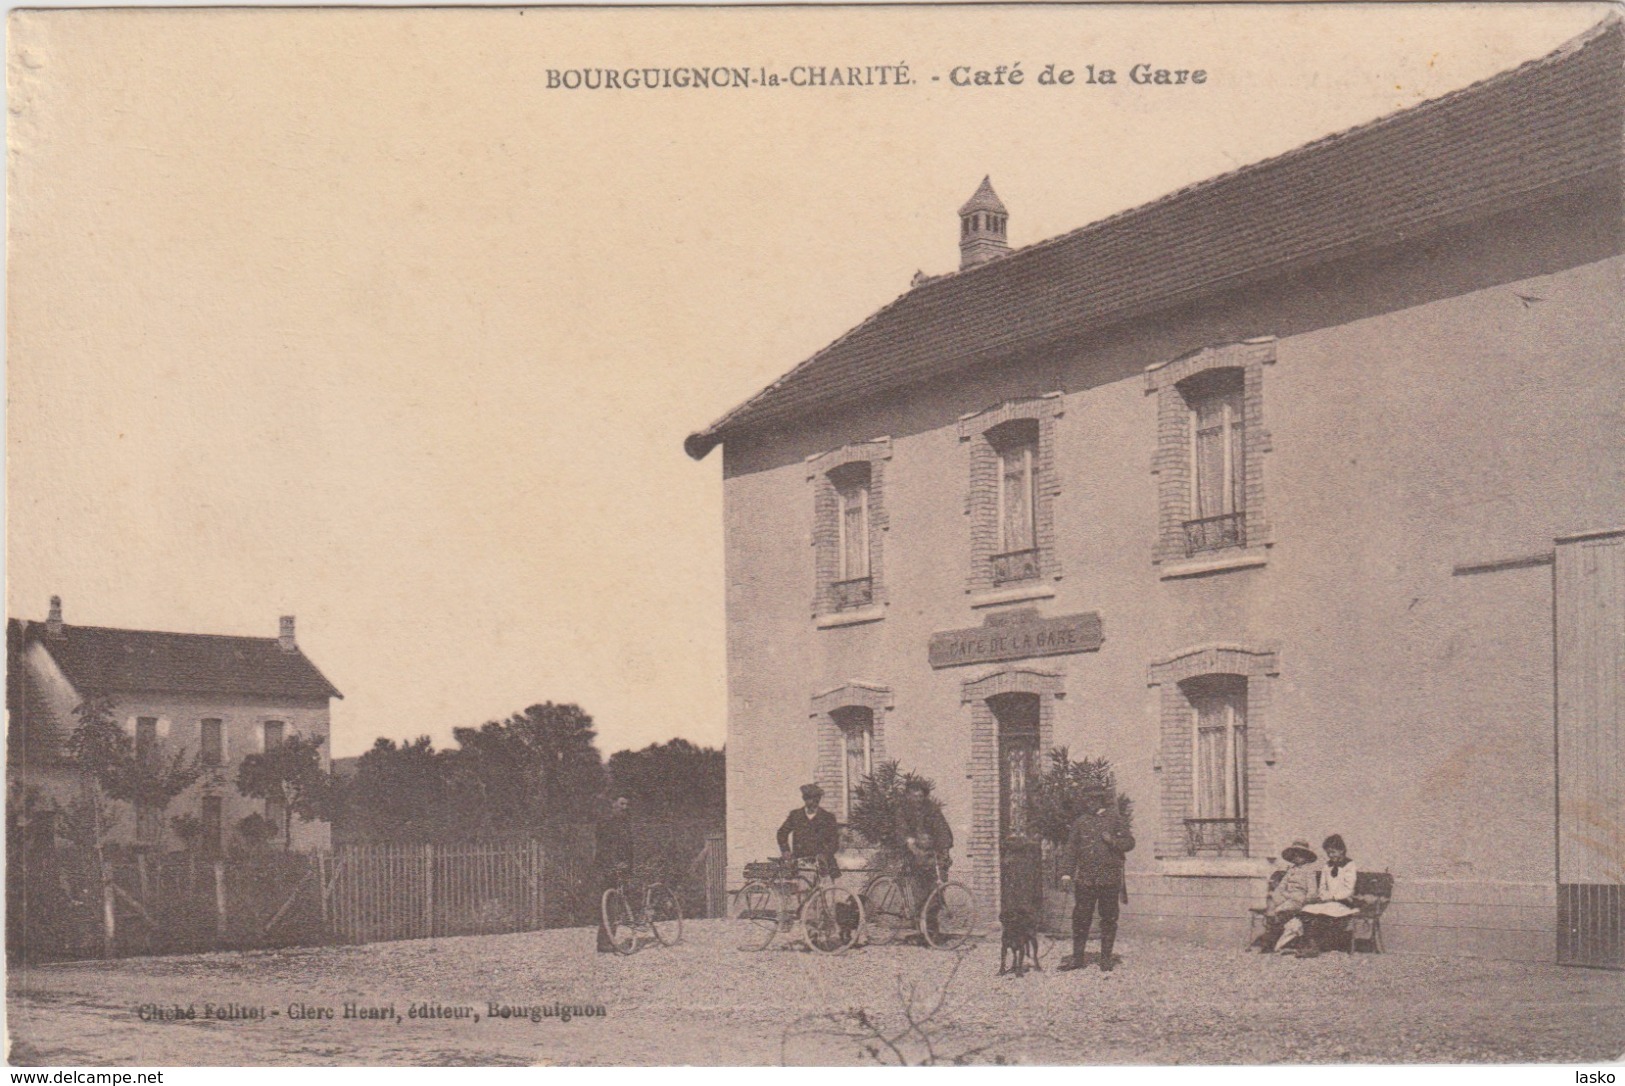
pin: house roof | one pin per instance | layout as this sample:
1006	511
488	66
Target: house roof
1538	128
95	658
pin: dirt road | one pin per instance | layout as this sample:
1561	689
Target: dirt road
705	1002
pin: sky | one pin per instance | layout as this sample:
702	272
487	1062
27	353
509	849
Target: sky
348	315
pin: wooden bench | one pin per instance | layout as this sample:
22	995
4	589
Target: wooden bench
1372	892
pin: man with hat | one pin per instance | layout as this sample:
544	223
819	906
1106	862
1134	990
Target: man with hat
927	843
1295	890
809	832
1093	866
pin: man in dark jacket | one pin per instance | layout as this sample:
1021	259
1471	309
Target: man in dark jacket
612	856
1093	865
809	833
927	841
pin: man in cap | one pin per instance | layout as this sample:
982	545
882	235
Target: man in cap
1092	866
927	843
809	832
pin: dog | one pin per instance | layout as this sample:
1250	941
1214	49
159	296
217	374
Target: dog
1020	941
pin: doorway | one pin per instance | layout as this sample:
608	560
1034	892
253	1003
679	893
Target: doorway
1021	852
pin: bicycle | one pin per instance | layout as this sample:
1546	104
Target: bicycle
661	917
945	922
779	896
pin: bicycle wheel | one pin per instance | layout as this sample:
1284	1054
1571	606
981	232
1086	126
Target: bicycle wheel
832	919
755	914
949	916
885	908
665	915
619	922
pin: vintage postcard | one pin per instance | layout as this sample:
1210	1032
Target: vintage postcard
816	535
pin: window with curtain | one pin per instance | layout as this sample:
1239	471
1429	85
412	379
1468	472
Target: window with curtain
852	490
857	726
1017	447
1218	460
1220	706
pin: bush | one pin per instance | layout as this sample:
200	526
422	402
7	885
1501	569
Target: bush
1057	794
875	804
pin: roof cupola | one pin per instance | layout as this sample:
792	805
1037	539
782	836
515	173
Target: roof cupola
982	227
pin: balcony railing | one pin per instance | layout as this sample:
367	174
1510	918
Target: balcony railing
1015	566
1220	835
1215	533
855	593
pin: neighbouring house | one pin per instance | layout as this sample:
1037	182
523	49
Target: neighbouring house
1297	493
221	697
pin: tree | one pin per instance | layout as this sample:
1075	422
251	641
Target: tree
1057	793
539	766
112	766
672	779
291	775
400	792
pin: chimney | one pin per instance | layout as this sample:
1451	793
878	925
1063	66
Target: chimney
53	621
982	227
285	639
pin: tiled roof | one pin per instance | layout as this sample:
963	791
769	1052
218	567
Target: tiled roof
1553	122
94	658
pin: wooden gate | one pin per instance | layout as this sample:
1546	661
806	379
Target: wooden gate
1590	626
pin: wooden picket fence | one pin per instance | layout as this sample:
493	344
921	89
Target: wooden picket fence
379	892
76	904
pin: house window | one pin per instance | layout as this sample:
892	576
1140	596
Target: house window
851	484
848	529
1218	821
857	725
146	739
276	810
1209	461
273	734
213	825
1016	446
212	743
1011	503
1218	461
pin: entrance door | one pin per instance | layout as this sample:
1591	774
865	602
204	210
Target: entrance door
1591	749
1021	882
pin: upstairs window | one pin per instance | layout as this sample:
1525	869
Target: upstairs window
1011	501
1218	462
212	742
849	524
272	735
851	483
1016	444
146	739
1211	446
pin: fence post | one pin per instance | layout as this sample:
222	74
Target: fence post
321	884
428	891
220	902
109	923
715	874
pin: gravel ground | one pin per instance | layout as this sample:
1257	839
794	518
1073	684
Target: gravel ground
705	1002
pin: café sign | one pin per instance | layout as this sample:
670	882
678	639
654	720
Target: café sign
1060	636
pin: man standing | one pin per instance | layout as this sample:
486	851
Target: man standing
809	833
1093	866
927	842
612	855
